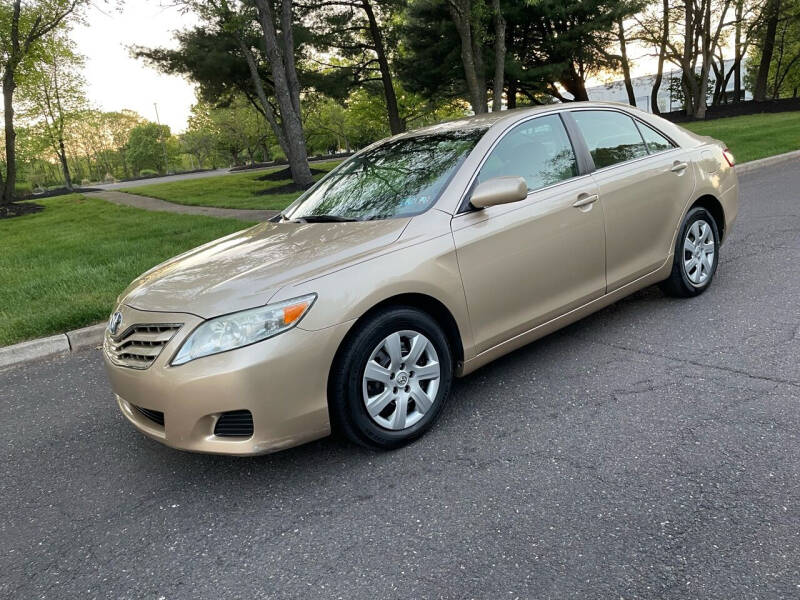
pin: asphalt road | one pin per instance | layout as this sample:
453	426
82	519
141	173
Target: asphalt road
649	451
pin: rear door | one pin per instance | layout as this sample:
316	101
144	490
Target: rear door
644	181
524	263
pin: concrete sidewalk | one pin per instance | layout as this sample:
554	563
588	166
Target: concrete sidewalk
147	203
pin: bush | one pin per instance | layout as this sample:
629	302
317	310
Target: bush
23	188
277	154
148	172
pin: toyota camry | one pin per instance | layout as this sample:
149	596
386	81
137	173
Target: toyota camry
419	259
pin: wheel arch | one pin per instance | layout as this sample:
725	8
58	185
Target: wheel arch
425	303
714	206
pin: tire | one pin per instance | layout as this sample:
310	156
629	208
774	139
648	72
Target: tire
402	409
693	270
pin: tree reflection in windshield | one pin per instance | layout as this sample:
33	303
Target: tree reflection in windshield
402	177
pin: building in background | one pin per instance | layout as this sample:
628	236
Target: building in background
668	101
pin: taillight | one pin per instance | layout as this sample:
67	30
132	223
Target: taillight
729	157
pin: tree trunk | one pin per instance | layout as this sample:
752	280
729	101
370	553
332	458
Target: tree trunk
476	86
396	124
772	11
11	136
574	84
287	96
499	56
62	157
626	68
511	94
662	54
706	49
737	53
288	54
266	107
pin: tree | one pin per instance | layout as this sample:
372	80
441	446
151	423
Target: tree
690	36
239	128
357	30
201	138
467	20
565	42
662	54
146	149
21	30
246	46
772	13
783	73
446	46
54	95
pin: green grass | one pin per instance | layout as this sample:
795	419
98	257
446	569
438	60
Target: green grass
240	190
62	268
754	136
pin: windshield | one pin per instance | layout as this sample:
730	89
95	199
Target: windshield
399	178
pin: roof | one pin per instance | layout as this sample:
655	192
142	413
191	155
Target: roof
486	120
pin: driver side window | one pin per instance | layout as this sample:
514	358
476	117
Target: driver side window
537	150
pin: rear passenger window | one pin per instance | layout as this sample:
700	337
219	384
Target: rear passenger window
538	150
611	136
654	140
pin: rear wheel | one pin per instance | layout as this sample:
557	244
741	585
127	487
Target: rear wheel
696	255
392	378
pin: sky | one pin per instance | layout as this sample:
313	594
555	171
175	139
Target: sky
115	79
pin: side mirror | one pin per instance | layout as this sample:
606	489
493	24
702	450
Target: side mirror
499	190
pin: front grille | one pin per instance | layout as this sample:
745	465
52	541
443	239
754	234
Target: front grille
154	415
139	345
234	423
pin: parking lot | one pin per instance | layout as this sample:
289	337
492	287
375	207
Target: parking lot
649	451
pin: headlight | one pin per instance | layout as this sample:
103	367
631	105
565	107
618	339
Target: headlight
243	328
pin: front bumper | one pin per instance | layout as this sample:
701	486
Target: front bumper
282	381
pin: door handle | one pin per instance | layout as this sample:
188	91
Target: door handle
585	200
678	167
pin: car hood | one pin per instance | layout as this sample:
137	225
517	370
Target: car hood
244	269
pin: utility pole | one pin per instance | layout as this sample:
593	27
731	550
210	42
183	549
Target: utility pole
163	141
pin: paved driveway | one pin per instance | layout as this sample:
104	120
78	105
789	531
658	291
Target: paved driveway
649	451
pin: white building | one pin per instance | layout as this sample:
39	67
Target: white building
642	87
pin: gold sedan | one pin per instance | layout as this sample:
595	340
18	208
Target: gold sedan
419	259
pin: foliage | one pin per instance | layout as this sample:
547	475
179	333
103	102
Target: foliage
22	29
677	89
148	148
783	79
54	95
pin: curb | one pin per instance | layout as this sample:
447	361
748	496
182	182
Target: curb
752	165
55	345
92	336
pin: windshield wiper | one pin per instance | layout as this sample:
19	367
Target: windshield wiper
324	219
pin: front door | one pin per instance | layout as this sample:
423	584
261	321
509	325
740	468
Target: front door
525	263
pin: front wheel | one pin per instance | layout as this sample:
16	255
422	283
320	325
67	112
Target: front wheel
392	378
696	255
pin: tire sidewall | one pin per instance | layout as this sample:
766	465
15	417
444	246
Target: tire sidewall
696	214
348	393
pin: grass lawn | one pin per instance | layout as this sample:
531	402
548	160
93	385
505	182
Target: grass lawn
754	136
62	268
240	190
